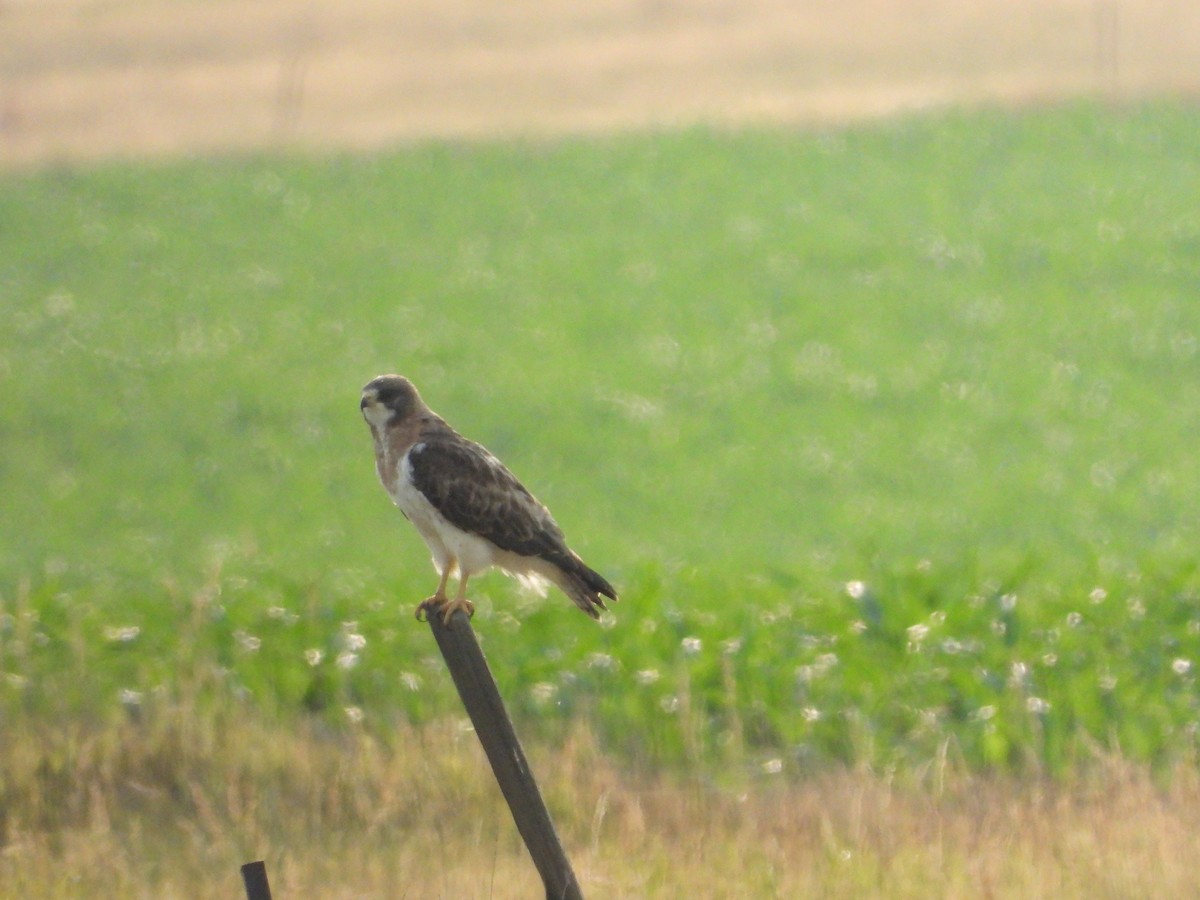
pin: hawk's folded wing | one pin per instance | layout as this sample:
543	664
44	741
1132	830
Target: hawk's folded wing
477	493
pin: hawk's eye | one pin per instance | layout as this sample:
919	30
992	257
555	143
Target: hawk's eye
386	396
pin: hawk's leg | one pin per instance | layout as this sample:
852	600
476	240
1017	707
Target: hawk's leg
438	600
450	607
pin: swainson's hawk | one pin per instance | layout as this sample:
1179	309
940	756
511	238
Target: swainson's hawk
471	510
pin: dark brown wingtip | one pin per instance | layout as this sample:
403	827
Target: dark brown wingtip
596	582
586	588
584	595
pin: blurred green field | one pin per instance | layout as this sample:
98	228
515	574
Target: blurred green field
886	435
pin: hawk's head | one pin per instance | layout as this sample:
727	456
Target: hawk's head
389	398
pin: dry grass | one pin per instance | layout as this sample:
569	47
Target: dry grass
86	78
171	809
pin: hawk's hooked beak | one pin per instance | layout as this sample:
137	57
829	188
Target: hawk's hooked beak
366	401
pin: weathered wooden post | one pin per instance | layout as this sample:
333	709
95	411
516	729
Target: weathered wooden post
254	877
479	694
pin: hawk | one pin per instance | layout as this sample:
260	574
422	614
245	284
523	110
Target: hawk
471	510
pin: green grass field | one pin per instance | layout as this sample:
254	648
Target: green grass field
886	435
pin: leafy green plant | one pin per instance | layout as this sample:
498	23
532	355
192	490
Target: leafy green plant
885	434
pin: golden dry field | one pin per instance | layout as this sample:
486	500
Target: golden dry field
93	78
172	810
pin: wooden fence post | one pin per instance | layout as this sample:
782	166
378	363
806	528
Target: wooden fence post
254	877
479	694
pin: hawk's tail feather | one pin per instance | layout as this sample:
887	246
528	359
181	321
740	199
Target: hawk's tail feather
587	588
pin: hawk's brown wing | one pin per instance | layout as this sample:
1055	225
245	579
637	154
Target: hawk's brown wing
475	492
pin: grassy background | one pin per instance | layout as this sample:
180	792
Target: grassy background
886	434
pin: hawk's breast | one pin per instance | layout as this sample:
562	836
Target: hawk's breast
445	539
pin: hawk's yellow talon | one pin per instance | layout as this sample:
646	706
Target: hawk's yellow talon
450	607
428	605
439	604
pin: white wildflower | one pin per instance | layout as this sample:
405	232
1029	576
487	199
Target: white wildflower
411	680
122	634
984	713
601	661
543	692
246	641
